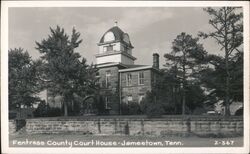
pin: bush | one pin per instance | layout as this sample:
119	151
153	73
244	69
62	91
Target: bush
154	110
100	105
199	111
43	110
168	108
54	112
124	109
151	107
132	108
239	112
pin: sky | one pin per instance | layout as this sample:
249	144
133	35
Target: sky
151	29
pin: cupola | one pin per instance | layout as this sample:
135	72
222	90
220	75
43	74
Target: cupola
115	46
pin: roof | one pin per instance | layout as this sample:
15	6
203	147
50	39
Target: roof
127	68
110	64
116	52
137	68
118	33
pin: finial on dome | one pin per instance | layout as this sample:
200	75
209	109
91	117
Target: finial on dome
116	23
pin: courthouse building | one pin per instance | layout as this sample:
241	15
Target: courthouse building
121	80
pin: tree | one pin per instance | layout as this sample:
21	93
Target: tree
22	79
214	78
151	106
167	90
64	73
228	33
186	58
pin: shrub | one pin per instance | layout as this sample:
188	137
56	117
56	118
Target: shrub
100	105
199	111
41	110
150	106
54	112
154	110
132	108
239	112
44	110
124	109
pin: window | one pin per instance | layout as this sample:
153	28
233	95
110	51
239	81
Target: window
126	48
97	76
107	103
109	37
108	48
107	79
129	79
126	38
141	78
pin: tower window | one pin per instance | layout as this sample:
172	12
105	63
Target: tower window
141	78
109	37
108	48
129	79
126	48
107	79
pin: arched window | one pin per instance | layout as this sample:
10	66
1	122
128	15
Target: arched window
109	37
126	38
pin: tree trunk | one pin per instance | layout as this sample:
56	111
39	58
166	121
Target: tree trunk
227	110
183	100
65	104
184	85
174	99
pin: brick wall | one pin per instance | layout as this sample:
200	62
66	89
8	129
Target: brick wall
139	126
135	90
111	92
135	77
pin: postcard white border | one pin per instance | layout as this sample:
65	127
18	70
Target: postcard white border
4	74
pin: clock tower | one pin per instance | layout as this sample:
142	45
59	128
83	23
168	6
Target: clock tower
115	46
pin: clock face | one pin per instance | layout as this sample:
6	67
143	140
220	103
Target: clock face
109	37
126	38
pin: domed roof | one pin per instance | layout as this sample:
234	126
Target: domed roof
118	34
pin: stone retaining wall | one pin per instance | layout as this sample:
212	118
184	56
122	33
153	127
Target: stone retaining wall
12	126
138	126
15	125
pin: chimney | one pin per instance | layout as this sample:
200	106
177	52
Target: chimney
156	60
